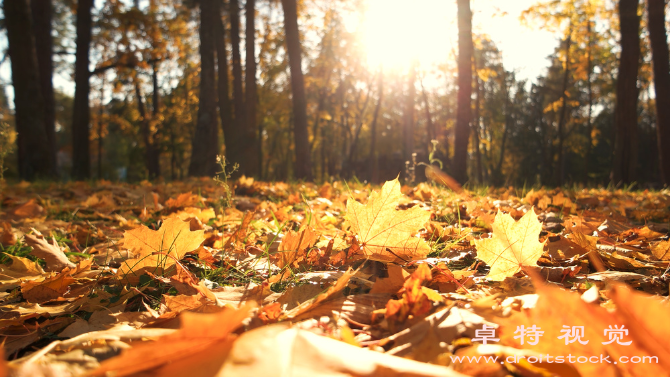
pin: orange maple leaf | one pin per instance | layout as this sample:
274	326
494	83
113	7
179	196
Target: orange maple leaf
159	249
386	234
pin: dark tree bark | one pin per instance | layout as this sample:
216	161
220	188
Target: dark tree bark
230	136
251	158
589	119
100	115
374	161
661	63
303	163
238	90
430	126
463	115
408	115
625	113
34	150
205	141
41	12
81	155
560	168
477	123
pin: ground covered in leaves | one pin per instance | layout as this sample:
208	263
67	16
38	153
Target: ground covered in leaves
200	278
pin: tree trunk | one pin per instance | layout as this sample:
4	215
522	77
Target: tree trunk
589	119
432	135
250	166
205	141
230	136
476	124
238	90
463	115
150	155
81	157
303	163
374	161
625	113
661	63
100	115
560	168
41	12
408	127
34	149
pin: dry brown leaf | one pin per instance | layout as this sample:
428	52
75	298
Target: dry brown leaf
51	253
189	348
159	249
7	235
661	250
49	289
558	311
306	307
386	234
294	247
393	283
21	268
270	349
30	209
514	245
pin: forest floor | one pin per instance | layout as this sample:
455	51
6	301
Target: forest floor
188	278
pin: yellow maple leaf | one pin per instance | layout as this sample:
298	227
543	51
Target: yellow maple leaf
513	245
159	249
386	234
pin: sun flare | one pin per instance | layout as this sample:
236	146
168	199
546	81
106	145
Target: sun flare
397	33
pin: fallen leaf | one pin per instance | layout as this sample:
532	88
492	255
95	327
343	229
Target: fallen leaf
30	209
514	245
386	234
49	289
270	349
294	247
51	253
393	283
159	249
187	348
661	250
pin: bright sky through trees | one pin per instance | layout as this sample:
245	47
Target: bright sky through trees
395	33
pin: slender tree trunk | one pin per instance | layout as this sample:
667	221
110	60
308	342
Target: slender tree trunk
34	149
100	115
150	160
303	163
205	141
625	113
374	161
251	149
41	12
81	155
589	120
155	102
432	135
408	126
464	110
477	123
559	171
661	63
238	89
230	133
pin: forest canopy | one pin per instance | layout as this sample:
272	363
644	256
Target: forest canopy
321	90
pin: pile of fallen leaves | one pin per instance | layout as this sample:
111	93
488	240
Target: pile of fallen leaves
337	279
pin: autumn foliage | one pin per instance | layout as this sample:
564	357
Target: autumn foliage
116	279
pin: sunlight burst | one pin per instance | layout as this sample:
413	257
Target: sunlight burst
396	32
